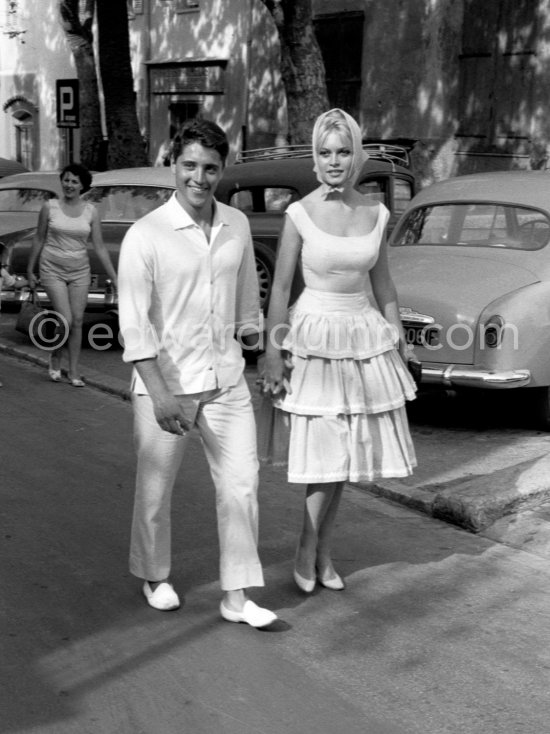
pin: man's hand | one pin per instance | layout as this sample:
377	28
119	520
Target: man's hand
274	372
167	408
170	416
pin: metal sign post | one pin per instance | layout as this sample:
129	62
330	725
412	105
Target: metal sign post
68	112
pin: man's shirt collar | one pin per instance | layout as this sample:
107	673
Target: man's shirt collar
180	219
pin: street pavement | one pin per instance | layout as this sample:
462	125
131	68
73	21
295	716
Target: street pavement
440	631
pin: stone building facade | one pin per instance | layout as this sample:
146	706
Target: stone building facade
210	57
462	82
465	81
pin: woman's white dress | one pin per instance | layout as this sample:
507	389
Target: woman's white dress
349	384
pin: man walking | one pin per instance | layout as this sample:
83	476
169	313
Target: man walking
187	285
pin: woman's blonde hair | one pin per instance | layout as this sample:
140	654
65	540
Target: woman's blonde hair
332	121
339	121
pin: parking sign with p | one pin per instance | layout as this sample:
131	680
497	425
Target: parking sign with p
67	101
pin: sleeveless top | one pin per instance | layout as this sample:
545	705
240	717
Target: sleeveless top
67	237
333	316
337	263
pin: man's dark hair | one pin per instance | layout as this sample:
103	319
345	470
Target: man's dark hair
205	132
81	172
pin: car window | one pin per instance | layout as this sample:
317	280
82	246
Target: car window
242	200
24	200
475	224
278	199
402	194
263	199
126	203
375	189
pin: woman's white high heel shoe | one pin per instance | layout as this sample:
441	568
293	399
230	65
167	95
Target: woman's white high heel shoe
55	375
334	582
305	585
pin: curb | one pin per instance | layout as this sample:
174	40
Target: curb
476	502
415	498
109	385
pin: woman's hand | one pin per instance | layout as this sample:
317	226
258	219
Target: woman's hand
411	361
274	369
32	281
407	352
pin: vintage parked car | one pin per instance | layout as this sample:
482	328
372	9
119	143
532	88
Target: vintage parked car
21	198
264	182
9	167
470	258
121	198
262	186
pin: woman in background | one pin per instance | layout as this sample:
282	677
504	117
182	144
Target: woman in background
65	226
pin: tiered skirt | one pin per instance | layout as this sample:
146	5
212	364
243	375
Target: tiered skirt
345	417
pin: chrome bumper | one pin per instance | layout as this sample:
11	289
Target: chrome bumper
95	298
458	376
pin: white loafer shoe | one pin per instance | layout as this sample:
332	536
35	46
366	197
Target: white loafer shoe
251	614
163	597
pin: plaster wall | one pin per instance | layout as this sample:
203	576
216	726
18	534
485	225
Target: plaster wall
540	114
410	77
267	119
242	35
29	67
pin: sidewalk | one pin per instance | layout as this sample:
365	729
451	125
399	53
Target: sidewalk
469	480
103	370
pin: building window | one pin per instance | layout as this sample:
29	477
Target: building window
497	73
187	6
13	21
135	7
24	139
24	116
263	199
340	38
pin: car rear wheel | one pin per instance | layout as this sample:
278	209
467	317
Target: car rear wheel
265	267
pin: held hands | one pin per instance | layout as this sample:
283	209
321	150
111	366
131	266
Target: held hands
274	370
411	361
407	352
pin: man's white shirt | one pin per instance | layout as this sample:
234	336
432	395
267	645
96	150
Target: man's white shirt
182	297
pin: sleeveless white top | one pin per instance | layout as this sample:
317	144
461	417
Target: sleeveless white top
337	263
67	237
